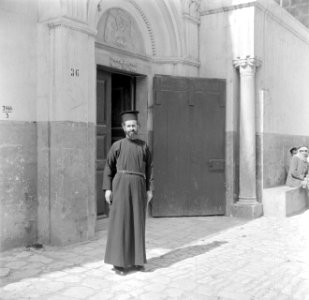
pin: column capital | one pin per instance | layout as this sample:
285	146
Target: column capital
247	64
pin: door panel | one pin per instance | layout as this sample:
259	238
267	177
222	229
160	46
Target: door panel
103	132
189	140
169	161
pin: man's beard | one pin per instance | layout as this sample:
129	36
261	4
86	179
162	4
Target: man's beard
131	134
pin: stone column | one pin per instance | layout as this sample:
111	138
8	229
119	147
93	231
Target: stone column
247	205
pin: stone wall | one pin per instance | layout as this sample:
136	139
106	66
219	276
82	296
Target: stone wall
276	158
18	198
18	143
66	183
297	8
283	45
66	115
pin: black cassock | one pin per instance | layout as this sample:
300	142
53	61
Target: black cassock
128	173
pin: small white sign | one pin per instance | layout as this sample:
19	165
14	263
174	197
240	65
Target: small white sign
6	109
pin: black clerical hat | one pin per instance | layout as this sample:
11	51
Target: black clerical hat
129	115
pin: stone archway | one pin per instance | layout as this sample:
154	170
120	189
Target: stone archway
121	46
160	23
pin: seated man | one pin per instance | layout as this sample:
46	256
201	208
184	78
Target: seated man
298	168
292	152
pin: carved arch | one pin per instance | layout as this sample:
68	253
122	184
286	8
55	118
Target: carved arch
97	8
119	29
160	23
173	22
148	25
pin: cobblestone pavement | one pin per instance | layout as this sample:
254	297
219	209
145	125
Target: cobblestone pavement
188	259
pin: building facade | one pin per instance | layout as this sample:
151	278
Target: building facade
298	9
221	89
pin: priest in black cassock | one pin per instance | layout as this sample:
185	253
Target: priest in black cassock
128	185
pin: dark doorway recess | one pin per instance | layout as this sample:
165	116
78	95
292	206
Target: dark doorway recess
115	93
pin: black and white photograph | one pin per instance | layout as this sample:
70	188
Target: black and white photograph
154	149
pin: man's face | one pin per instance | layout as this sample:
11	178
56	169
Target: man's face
304	151
130	129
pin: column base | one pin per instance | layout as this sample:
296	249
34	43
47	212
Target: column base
247	210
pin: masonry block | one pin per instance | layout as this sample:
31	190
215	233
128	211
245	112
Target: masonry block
284	201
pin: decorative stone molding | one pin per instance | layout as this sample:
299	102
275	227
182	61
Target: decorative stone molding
122	64
217	7
122	31
156	60
123	52
191	8
177	61
148	25
73	25
247	65
191	19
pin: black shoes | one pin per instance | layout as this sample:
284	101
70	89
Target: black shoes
139	268
119	270
122	271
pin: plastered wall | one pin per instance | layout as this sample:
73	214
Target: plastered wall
18	165
264	30
18	60
282	84
66	133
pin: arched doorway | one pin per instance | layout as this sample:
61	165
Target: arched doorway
121	84
203	102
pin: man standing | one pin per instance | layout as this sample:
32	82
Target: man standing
128	185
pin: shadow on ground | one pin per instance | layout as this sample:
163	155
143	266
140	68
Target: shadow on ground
168	233
177	255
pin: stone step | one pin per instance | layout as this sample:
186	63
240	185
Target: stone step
284	201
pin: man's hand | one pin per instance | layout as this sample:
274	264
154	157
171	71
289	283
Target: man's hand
149	196
108	196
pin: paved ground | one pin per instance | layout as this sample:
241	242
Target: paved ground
188	259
